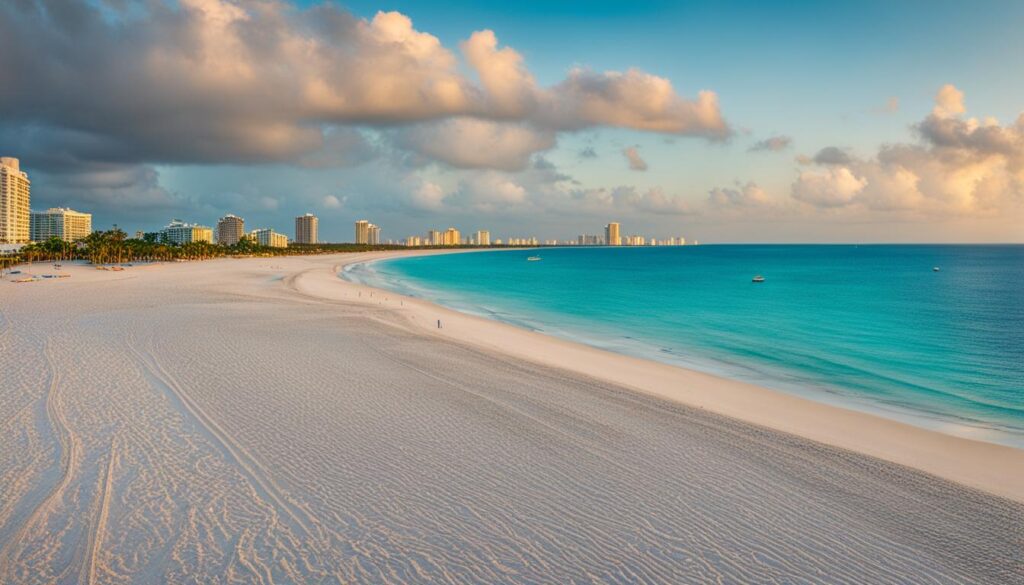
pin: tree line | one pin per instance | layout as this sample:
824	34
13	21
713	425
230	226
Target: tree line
115	247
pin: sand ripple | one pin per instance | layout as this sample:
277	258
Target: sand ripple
192	430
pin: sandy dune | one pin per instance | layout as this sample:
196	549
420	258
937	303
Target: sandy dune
244	421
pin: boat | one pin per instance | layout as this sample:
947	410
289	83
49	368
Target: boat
757	278
533	258
935	268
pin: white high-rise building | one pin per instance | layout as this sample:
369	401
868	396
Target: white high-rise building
483	238
374	235
306	228
270	238
59	222
363	231
179	232
14	202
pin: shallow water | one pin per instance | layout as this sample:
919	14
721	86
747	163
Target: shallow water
869	327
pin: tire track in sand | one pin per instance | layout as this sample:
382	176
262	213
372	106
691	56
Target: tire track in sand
94	543
250	468
70	447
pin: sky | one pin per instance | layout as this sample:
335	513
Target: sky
719	121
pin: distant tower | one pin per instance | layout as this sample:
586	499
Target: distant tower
306	227
611	234
452	237
14	202
362	232
230	230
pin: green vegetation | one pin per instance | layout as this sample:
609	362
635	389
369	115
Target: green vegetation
114	246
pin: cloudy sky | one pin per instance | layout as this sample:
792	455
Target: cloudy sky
734	121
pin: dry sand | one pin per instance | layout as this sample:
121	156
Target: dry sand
260	421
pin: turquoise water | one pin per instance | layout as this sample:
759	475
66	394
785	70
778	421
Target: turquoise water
868	327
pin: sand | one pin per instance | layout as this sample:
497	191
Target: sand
260	421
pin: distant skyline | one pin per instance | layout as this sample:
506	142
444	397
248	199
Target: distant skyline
726	122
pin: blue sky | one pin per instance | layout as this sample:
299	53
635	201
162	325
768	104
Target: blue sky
860	76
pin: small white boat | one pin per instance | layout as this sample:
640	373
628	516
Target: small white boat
533	259
757	278
935	268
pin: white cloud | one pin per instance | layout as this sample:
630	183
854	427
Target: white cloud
217	81
428	195
949	102
748	195
474	144
831	187
962	168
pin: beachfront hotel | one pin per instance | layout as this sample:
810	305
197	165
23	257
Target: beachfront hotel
611	235
230	230
452	237
367	233
14	202
269	238
179	232
306	228
59	222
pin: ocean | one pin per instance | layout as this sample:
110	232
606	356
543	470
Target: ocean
868	327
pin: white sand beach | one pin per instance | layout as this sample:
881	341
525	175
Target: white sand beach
262	421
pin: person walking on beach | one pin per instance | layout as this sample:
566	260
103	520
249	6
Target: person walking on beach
438	323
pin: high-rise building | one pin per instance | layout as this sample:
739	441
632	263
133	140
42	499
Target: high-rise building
412	241
59	222
452	237
306	227
589	240
483	238
14	202
374	235
230	230
179	232
363	232
435	238
270	238
611	234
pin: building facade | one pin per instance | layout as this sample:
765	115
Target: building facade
373	235
611	234
230	230
14	202
269	238
363	231
452	237
179	232
306	229
59	222
435	238
483	238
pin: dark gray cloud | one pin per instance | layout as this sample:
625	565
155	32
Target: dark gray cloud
138	84
832	155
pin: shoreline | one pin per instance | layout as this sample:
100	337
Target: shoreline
993	468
